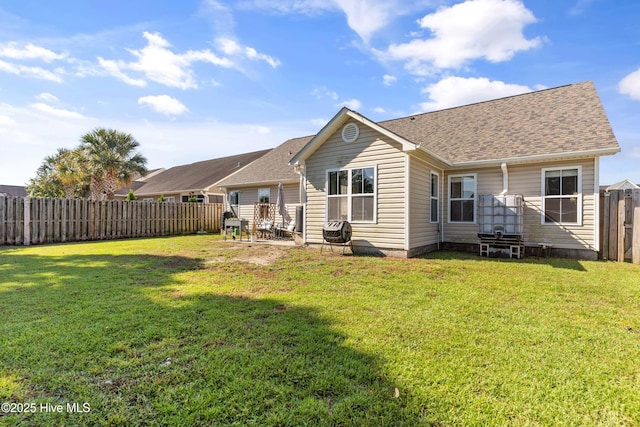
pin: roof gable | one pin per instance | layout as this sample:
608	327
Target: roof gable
342	117
273	167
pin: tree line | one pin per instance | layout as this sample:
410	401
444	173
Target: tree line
103	162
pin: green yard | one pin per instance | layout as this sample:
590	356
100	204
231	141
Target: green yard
196	331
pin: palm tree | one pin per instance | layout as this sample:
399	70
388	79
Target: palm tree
69	170
45	183
60	175
111	160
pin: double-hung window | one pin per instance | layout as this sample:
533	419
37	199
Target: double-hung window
351	195
562	192
435	179
462	198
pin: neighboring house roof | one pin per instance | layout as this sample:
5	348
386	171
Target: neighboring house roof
138	181
623	185
273	167
149	174
551	123
196	176
13	191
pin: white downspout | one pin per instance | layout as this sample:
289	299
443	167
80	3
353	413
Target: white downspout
505	179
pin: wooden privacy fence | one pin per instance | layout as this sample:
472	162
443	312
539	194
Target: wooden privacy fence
620	225
28	221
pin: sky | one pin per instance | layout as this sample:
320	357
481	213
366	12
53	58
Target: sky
194	80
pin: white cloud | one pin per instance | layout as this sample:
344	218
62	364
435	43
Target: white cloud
365	17
29	51
323	92
580	7
164	104
6	121
262	130
352	104
112	68
219	15
305	7
57	112
32	72
388	80
489	29
230	47
47	97
379	110
319	122
158	63
630	85
456	91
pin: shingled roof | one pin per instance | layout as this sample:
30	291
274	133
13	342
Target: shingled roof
563	120
196	176
273	167
13	190
556	123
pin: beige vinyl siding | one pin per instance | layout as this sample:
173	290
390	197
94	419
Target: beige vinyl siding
249	196
527	180
488	181
422	231
370	150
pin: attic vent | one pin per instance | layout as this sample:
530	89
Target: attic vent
350	132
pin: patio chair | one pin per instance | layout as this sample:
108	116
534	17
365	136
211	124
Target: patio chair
286	232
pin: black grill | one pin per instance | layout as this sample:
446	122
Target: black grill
337	232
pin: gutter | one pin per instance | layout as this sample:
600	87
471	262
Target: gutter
260	183
538	157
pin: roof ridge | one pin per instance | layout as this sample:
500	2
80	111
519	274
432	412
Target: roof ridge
264	151
484	102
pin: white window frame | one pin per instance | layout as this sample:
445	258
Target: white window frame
474	198
436	198
349	195
171	199
544	197
234	207
265	190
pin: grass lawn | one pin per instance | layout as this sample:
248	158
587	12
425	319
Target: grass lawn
195	331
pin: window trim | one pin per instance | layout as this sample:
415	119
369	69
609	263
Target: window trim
544	197
266	189
436	198
234	207
475	197
349	195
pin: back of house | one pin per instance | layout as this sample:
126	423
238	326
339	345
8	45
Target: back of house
413	184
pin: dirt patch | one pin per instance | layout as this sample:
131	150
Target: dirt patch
259	254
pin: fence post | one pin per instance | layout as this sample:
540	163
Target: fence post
635	230
621	231
27	221
606	213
